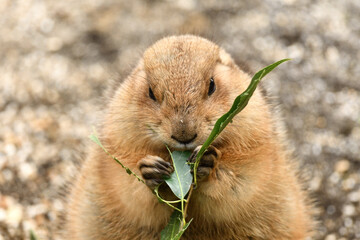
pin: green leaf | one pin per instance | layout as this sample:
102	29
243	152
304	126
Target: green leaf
96	140
172	231
32	235
239	104
181	179
180	233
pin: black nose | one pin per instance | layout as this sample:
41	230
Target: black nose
184	140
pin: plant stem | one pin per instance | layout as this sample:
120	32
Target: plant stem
183	222
184	213
167	202
187	202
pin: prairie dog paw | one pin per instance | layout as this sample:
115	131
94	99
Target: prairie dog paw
207	162
153	169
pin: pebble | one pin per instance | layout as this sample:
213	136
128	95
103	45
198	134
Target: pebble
348	210
348	222
354	196
14	215
330	237
342	166
27	171
349	184
8	175
335	178
2	215
331	209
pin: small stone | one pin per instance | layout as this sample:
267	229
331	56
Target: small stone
296	52
348	184
14	215
342	231
332	54
10	149
348	222
331	209
186	4
354	196
321	122
54	44
330	237
334	178
342	166
7	175
27	171
2	215
349	210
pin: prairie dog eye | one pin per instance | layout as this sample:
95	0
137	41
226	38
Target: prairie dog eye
212	87
151	94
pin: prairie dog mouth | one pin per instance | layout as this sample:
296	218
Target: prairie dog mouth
183	147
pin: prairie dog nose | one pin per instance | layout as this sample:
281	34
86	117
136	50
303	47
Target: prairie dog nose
183	131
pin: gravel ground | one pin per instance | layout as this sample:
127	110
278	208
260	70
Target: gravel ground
57	57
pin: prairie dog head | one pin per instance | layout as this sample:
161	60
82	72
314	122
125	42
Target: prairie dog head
180	87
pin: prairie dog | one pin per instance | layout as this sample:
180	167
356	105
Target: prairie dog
180	87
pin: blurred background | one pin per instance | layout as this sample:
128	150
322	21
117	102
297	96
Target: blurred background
57	58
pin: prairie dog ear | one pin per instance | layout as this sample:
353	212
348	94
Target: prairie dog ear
225	58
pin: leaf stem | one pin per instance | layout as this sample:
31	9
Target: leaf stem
186	206
156	190
95	139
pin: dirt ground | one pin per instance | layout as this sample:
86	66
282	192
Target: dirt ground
57	58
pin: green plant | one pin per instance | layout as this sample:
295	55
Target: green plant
181	181
33	236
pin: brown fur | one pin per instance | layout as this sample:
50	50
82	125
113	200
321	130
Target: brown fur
252	192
